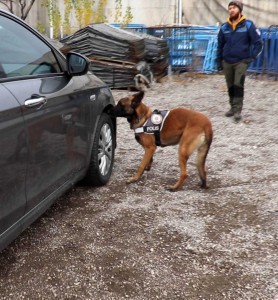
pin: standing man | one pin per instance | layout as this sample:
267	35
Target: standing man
239	43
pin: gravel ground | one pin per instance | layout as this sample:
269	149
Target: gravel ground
141	241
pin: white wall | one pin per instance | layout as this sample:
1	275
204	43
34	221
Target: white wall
263	12
36	14
148	12
201	12
165	12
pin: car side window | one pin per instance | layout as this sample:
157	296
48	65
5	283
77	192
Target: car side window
22	53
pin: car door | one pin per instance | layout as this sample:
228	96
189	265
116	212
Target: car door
54	108
13	170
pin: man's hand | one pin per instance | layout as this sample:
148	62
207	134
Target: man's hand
219	65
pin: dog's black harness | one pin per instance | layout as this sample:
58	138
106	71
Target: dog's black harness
154	125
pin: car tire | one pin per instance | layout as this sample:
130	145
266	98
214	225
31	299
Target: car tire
102	153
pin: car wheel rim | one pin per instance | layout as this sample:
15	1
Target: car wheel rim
105	149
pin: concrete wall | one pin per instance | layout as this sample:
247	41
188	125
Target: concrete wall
36	15
148	12
200	12
165	12
262	12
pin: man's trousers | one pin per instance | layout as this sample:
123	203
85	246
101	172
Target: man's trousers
235	77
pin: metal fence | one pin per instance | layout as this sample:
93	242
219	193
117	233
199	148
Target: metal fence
193	48
267	61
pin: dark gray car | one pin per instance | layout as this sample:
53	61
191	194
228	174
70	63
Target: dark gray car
54	125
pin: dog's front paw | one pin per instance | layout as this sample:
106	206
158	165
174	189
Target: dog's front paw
171	188
131	180
203	185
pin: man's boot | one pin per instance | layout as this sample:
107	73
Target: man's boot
237	117
238	103
229	113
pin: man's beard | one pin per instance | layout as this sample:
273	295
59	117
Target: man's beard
235	17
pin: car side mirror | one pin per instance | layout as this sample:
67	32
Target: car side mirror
77	64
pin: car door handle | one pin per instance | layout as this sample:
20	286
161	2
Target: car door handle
40	101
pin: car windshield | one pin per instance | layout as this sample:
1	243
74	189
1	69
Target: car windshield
22	53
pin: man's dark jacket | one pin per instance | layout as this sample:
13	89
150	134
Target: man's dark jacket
239	42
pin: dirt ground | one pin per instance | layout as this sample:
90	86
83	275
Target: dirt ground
143	242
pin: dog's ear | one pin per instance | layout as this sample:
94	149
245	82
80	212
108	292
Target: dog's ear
137	98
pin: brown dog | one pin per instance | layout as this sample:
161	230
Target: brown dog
190	129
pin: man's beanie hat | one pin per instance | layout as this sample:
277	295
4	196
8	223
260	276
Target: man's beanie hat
238	4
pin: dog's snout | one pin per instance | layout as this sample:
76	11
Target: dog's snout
111	111
119	111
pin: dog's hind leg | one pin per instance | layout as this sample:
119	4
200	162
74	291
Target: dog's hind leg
183	157
145	164
201	163
188	144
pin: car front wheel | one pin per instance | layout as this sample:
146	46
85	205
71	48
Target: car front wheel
102	154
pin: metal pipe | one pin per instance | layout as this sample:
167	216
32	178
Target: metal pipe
179	11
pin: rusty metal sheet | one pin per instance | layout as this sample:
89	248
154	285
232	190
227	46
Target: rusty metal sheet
116	55
107	41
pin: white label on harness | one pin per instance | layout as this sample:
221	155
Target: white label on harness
156	119
152	128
